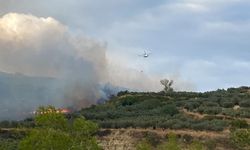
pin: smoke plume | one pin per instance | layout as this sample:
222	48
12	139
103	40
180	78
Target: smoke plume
65	70
44	47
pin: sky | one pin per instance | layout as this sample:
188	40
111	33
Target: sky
204	43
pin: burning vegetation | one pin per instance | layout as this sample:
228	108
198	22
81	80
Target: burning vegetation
51	109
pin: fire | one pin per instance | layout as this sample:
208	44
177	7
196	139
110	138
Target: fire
58	111
63	111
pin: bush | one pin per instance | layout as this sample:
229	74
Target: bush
228	104
191	105
53	131
230	112
196	145
8	144
143	145
241	138
244	112
239	124
211	104
170	110
210	110
245	103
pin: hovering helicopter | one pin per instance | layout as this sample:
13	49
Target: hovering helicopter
145	54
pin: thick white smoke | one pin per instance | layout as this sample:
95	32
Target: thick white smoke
44	47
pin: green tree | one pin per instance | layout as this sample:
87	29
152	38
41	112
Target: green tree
54	132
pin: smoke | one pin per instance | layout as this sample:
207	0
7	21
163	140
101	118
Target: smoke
70	70
44	47
139	80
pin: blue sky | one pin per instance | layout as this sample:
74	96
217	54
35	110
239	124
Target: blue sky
203	41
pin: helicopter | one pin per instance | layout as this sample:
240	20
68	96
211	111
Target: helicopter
145	54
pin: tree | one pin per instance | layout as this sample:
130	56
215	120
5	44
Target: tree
54	131
167	85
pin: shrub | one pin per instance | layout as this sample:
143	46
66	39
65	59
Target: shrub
239	124
210	110
228	104
170	110
210	104
143	145
245	103
241	138
196	145
8	144
230	112
53	131
191	105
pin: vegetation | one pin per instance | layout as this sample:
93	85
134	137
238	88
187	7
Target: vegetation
8	144
167	85
241	138
53	131
171	144
196	145
144	145
209	111
166	110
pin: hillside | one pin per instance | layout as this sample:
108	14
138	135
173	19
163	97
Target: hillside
216	120
211	111
211	118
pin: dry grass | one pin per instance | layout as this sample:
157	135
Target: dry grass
126	139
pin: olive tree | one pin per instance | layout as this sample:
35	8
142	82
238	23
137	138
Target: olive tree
167	85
